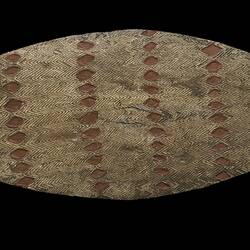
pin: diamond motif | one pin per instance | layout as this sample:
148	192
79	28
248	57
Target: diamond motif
220	146
216	105
219	132
219	117
223	161
214	66
212	49
223	176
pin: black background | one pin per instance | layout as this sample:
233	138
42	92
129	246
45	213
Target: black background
25	25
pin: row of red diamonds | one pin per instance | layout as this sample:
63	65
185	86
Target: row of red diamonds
153	103
216	105
90	118
13	105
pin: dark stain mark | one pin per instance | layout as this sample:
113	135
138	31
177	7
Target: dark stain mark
127	121
196	90
193	85
127	85
46	64
166	115
139	107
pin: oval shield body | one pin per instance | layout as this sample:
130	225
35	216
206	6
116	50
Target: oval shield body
125	115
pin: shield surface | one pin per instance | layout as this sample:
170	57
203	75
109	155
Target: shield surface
127	114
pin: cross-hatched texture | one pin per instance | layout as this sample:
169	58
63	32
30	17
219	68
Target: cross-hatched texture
124	115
